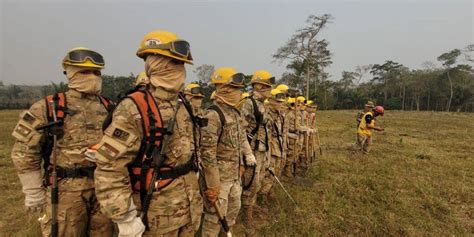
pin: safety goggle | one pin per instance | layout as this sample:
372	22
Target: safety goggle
195	90
237	79
178	47
270	80
280	96
80	56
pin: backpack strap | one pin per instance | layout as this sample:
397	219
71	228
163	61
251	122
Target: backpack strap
60	103
221	118
59	100
152	125
107	103
258	122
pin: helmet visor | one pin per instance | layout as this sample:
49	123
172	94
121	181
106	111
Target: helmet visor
237	79
271	80
195	90
178	47
80	56
280	96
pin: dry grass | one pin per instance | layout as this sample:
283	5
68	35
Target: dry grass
417	180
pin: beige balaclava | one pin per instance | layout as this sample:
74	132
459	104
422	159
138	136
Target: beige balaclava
228	94
262	92
85	83
166	76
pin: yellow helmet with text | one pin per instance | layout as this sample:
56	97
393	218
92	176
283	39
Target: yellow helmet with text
167	44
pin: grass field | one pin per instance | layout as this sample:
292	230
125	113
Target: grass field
417	180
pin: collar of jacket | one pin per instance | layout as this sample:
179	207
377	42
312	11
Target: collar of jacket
79	95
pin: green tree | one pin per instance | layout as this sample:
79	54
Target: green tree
305	49
448	60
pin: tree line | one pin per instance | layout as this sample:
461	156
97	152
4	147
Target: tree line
447	86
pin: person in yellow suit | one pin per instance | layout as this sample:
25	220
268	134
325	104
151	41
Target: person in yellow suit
366	125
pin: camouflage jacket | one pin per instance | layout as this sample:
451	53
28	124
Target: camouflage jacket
276	132
303	115
223	148
294	123
178	201
247	112
82	129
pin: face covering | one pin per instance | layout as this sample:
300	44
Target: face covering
229	94
264	92
85	83
165	73
196	102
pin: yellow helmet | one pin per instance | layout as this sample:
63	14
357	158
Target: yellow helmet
142	79
291	100
300	99
278	95
227	75
262	77
83	57
283	88
193	89
245	95
167	44
309	102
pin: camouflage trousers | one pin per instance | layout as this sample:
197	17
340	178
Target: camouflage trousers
267	178
175	210
229	204
303	159
78	215
364	143
292	154
249	196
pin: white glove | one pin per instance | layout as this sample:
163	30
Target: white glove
132	228
35	193
250	160
130	225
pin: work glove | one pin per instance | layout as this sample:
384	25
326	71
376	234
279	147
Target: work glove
132	228
130	225
250	160
212	194
35	193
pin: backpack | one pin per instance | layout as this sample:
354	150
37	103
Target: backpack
61	109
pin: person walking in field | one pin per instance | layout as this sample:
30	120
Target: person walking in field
366	125
368	106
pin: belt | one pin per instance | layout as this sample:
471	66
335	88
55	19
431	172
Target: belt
178	170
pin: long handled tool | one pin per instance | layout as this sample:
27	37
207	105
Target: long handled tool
222	220
282	187
319	144
54	174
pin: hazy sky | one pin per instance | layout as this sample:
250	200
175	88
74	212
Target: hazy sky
35	35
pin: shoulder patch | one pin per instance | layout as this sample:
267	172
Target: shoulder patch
120	134
29	118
